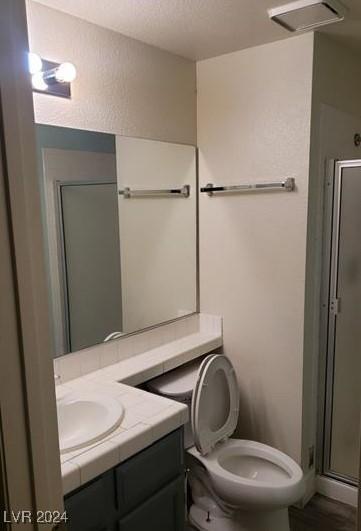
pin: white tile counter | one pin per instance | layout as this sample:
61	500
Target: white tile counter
154	362
148	417
168	345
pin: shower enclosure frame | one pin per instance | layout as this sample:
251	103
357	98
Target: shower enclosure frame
59	186
329	310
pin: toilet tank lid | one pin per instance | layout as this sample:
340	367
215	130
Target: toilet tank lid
178	383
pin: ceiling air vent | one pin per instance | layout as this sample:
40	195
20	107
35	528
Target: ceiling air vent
304	15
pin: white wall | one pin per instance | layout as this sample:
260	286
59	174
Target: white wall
158	236
254	119
123	86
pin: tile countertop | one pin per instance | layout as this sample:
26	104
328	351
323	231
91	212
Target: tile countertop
148	417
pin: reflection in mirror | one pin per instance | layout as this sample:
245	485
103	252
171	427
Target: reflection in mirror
91	259
117	261
157	234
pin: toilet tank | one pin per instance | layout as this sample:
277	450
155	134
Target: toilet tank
178	385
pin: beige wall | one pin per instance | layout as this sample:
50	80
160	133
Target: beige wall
123	86
254	119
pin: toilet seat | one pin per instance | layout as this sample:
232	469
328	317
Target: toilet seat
278	482
242	473
215	403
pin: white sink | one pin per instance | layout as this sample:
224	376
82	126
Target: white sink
84	418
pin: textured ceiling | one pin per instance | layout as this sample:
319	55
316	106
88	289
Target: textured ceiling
198	29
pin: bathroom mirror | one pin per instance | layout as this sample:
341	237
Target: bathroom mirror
120	225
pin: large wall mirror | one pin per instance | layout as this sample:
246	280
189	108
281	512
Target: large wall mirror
120	224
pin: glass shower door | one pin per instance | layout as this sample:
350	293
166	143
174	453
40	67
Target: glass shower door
344	339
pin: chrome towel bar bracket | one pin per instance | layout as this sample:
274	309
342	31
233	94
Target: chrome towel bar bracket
288	185
127	193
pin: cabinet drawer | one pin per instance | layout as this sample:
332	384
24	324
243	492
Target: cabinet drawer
93	507
164	511
143	475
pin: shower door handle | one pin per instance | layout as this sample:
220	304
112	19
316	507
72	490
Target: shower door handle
335	306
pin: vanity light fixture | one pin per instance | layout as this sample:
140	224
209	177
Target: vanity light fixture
48	77
38	82
302	15
65	73
35	64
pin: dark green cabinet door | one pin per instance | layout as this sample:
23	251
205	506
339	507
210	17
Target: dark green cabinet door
93	507
146	473
145	493
164	511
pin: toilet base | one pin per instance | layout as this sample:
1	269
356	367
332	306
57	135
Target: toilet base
239	520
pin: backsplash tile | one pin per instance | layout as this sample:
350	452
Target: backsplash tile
109	353
70	366
125	347
210	323
101	356
90	359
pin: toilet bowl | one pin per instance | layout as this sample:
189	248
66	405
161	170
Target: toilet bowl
252	475
236	485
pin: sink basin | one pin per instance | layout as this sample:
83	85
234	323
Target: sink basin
85	418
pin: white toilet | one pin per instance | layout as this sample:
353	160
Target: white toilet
236	485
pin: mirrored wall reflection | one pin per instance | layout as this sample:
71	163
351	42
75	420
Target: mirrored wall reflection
120	228
91	251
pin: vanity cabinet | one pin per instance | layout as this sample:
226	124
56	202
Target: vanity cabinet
146	492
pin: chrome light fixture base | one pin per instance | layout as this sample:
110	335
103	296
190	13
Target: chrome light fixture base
51	85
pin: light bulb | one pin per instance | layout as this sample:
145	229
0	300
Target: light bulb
38	81
65	73
35	64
